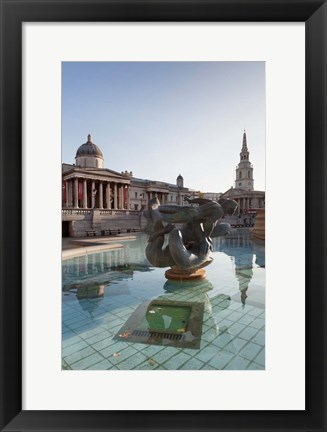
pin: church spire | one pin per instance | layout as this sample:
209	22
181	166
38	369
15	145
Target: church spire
244	155
244	170
244	146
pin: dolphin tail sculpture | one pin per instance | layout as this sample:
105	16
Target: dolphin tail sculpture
154	251
196	257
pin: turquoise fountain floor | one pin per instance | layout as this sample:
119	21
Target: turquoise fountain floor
102	290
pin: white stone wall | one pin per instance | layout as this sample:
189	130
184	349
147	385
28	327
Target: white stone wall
89	162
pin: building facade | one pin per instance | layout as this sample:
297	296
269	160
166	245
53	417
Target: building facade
96	199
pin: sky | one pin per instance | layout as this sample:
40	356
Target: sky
162	119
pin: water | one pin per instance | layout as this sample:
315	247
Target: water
102	291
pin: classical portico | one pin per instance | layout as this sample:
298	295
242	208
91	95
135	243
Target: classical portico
101	189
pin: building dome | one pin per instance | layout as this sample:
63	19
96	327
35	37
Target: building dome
89	155
180	177
89	149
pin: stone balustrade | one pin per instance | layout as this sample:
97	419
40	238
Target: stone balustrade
77	212
99	212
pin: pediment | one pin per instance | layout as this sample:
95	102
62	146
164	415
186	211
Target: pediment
106	173
96	173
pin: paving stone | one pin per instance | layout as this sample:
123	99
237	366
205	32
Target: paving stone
220	360
176	361
250	350
237	363
86	362
79	355
132	361
192	364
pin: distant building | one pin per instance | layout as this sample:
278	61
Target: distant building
142	190
243	193
213	196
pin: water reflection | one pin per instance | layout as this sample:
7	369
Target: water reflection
198	291
90	278
95	293
90	266
243	252
80	274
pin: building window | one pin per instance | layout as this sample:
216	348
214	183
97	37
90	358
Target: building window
240	175
136	196
136	206
240	184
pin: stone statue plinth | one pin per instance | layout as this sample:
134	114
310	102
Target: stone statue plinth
181	275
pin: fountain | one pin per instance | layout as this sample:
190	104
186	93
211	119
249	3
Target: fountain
180	236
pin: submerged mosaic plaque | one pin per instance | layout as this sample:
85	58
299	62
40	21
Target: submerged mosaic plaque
164	322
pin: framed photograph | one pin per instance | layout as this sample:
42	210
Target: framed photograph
141	142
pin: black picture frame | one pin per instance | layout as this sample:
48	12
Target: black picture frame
13	14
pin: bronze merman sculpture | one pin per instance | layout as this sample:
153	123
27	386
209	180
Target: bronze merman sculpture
189	245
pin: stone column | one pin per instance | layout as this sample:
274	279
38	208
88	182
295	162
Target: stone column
108	197
70	188
128	201
67	193
115	196
85	194
92	194
121	197
76	192
101	196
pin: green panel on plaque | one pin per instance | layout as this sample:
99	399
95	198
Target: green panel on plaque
164	322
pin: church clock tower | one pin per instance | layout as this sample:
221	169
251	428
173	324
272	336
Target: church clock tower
244	170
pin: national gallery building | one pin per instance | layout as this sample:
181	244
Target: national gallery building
96	199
